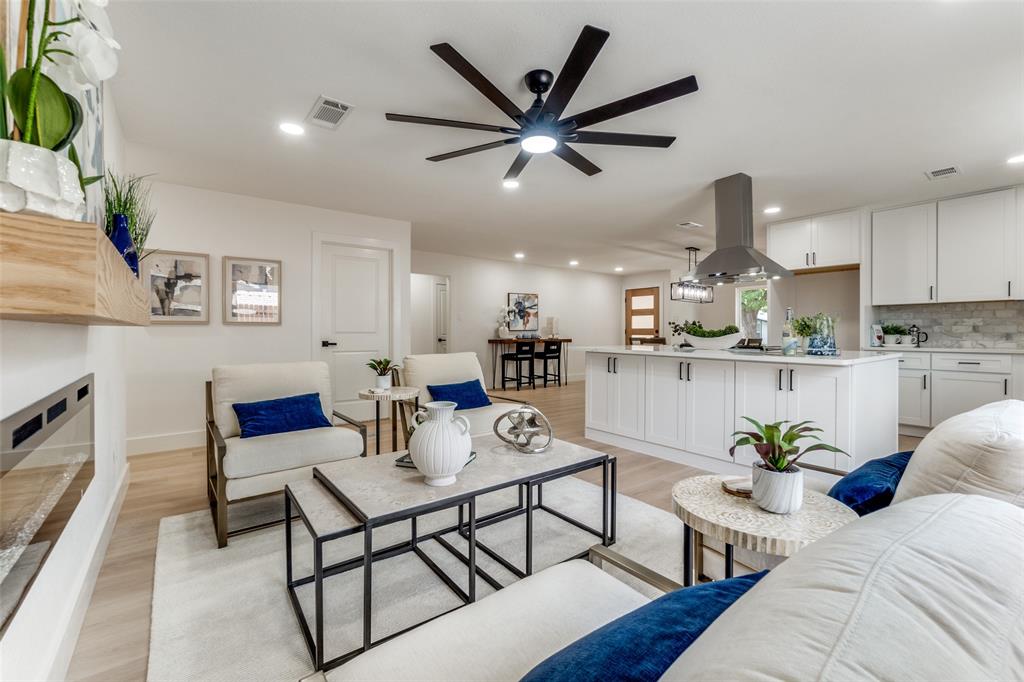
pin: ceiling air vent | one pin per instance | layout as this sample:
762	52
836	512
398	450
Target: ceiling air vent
940	173
689	225
328	113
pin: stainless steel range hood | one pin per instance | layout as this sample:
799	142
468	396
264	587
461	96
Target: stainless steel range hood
734	259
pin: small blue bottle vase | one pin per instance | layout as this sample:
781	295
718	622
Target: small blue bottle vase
122	240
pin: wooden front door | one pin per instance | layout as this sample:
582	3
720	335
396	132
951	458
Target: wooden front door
643	313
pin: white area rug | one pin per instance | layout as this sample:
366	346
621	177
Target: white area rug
224	614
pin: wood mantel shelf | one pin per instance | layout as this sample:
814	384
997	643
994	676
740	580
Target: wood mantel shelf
66	272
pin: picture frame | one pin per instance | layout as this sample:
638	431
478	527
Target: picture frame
178	285
524	315
252	291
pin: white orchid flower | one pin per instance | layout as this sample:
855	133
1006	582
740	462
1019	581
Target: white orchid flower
93	13
94	60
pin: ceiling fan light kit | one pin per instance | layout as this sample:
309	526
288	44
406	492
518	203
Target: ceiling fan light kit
541	129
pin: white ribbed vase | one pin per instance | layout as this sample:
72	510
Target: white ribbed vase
440	446
779	492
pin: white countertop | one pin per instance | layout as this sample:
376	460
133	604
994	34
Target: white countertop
850	357
927	349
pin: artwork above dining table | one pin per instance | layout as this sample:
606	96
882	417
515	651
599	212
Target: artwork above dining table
524	312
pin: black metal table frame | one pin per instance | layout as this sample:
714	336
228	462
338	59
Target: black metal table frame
689	547
394	419
466	527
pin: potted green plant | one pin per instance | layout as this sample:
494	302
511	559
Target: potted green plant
804	327
129	216
697	336
382	368
778	484
40	170
892	334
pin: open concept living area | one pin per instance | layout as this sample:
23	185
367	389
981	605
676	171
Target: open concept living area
621	341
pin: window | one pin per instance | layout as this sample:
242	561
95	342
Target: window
752	311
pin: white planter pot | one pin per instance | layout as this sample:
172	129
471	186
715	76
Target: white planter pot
384	381
37	180
779	492
440	446
891	339
717	343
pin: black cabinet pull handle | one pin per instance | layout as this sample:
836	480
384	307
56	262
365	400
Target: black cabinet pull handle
925	377
608	367
681	371
1006	387
965	362
791	380
780	378
688	372
814	257
931	291
326	344
615	365
807	259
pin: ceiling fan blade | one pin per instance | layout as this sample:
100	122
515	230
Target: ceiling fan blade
455	60
627	139
518	165
405	118
648	98
583	54
573	157
473	150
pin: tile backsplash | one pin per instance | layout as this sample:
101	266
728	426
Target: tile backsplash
993	324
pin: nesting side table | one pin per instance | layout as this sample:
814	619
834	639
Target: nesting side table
394	395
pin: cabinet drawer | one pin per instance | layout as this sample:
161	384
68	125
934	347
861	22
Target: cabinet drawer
915	361
965	362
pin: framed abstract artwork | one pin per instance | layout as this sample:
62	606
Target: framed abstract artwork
178	284
524	315
252	291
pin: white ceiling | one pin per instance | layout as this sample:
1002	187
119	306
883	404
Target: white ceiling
826	105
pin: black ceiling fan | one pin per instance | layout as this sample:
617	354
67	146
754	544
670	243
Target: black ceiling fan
540	129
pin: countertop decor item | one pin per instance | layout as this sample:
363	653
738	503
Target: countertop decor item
697	336
892	334
382	368
525	424
128	196
440	446
777	481
823	340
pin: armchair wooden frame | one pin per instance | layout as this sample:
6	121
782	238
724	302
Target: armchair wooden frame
216	482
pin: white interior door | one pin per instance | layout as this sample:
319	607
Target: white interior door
354	320
441	317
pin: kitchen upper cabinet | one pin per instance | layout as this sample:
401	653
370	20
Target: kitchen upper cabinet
957	392
666	400
915	397
978	248
822	395
615	393
818	242
903	248
710	404
761	395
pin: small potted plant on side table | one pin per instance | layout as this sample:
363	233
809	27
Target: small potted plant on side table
382	367
778	484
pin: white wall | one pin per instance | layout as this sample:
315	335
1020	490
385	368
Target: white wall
168	365
833	293
423	304
35	360
586	304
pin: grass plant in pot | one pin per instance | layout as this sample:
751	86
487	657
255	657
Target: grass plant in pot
129	216
382	368
778	484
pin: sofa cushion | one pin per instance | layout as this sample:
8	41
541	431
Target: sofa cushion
928	589
871	486
280	451
980	452
247	383
502	636
441	368
642	644
280	415
466	394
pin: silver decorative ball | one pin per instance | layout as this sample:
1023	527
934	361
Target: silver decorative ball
525	424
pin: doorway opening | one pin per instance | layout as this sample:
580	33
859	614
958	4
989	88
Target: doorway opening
431	313
643	314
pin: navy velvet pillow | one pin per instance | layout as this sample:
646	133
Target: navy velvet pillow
467	395
280	415
641	645
871	486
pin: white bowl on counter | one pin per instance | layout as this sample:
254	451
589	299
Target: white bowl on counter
713	343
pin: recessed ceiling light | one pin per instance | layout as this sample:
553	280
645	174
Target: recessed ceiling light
689	225
510	184
574	262
772	209
538	141
292	128
719	284
618	268
1016	159
776	276
520	256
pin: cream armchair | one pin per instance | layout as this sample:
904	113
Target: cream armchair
451	368
242	468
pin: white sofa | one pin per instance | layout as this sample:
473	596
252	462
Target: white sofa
241	468
451	368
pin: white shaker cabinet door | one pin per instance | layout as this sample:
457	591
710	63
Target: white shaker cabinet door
789	244
666	398
710	407
628	404
821	395
599	391
903	247
761	394
956	392
915	397
978	248
835	239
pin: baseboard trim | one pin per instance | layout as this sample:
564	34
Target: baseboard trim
915	431
165	442
66	649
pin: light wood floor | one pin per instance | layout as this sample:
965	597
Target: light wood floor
114	642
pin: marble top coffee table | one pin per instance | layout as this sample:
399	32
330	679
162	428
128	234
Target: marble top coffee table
361	494
704	507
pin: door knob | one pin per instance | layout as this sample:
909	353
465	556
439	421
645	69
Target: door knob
325	344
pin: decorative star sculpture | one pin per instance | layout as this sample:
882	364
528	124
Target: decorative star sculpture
525	424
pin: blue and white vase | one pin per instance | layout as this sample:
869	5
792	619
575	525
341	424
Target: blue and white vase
122	240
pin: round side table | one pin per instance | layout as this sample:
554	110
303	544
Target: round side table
394	395
706	509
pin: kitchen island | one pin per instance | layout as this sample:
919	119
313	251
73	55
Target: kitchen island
684	404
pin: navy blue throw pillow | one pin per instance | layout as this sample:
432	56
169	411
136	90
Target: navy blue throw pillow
280	415
871	486
641	645
467	395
